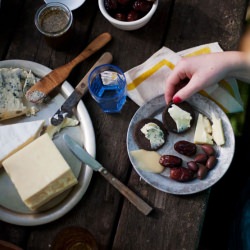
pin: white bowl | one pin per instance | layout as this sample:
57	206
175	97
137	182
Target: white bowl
125	25
72	4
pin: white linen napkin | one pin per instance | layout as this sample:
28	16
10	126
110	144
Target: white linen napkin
148	79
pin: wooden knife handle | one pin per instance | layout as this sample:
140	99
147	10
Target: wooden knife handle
57	76
129	194
94	46
82	86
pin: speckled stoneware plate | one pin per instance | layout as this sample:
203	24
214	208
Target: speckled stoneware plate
12	209
162	181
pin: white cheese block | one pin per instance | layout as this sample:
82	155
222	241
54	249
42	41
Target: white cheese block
15	136
203	131
39	172
147	160
217	131
181	117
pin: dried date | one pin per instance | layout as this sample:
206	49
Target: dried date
185	148
170	161
181	174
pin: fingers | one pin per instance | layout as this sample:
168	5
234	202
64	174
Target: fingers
194	86
175	80
171	86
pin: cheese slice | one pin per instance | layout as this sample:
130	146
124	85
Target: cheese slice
15	136
203	131
217	131
39	172
147	160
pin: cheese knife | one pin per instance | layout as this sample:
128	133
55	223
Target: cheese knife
48	83
86	158
66	110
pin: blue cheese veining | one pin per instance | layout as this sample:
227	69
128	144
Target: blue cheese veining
13	83
154	134
181	117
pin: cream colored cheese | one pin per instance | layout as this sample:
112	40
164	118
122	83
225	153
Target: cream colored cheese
217	131
181	117
39	172
15	136
147	160
203	131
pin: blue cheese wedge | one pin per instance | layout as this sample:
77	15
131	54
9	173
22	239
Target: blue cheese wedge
147	160
181	117
13	83
39	172
154	134
217	131
15	136
203	131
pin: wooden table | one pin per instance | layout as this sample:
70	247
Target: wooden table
176	222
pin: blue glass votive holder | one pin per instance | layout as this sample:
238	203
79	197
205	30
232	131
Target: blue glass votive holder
107	85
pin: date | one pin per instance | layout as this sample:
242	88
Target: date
185	148
170	161
181	174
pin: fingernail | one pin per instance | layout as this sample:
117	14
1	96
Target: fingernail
177	100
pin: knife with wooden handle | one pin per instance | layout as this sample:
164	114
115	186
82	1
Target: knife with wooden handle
48	83
86	158
66	110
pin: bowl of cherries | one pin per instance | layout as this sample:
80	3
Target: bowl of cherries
128	14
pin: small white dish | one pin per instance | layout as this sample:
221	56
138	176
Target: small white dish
125	25
72	4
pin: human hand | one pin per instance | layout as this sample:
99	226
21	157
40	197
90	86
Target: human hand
202	71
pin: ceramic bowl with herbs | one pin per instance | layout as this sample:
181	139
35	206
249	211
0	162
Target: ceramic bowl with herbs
128	14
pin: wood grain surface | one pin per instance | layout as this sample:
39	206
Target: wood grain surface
176	221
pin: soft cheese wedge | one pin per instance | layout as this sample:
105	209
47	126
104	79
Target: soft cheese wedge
39	172
147	160
181	117
15	136
14	82
203	131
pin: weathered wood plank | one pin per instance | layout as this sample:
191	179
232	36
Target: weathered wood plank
102	206
9	15
195	23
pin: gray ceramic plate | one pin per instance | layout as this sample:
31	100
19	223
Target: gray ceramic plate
12	209
162	181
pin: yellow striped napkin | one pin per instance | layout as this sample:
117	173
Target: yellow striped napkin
148	79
